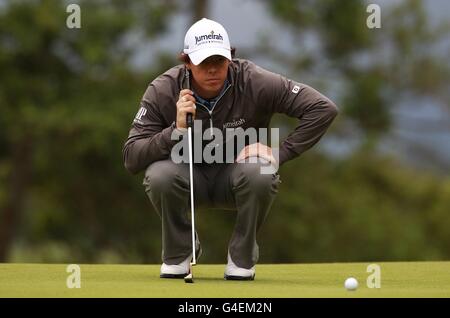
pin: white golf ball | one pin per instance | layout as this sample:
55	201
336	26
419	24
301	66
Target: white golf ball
351	283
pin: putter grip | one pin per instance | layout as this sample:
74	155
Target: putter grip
189	122
189	119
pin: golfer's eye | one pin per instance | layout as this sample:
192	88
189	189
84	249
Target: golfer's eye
219	60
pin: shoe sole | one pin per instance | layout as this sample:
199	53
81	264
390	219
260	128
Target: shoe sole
173	276
231	277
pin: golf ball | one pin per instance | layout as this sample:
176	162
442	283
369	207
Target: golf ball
351	283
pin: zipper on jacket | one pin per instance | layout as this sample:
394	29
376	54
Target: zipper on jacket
211	124
211	111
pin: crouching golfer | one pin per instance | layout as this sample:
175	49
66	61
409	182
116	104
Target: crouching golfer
225	93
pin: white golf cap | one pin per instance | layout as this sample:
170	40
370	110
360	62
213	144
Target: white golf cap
204	39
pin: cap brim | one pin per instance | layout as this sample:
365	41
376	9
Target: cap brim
199	56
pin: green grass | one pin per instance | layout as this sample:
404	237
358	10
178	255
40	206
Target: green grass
402	279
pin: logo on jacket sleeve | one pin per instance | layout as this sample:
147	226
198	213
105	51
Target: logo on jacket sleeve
296	89
141	113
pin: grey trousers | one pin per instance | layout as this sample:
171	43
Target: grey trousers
237	186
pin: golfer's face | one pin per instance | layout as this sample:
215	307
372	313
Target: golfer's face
210	74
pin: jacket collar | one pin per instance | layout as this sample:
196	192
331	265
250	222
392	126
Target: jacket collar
232	70
232	75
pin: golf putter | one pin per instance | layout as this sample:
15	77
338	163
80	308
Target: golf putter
189	278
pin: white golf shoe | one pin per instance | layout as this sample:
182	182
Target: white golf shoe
233	272
178	270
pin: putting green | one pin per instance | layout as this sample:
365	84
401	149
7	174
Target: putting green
398	279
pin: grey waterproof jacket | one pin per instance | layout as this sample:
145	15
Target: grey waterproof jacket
252	96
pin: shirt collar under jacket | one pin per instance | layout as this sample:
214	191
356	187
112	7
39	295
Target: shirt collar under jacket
212	101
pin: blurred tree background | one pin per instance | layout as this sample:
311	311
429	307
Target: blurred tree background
68	96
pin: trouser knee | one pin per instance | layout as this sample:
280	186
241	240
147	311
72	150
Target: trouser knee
250	175
163	177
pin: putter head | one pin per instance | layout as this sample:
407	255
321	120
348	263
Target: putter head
189	278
